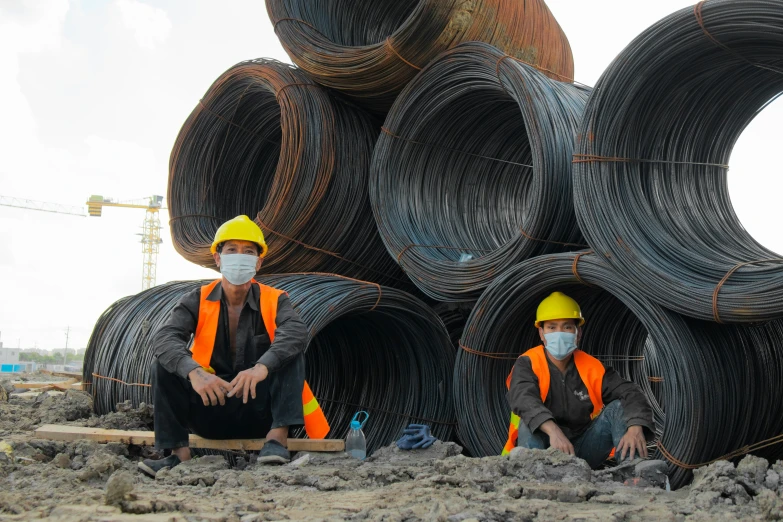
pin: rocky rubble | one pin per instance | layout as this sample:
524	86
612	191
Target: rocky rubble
723	487
83	480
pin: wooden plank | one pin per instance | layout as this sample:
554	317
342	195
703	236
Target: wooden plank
73	375
31	385
43	386
67	385
147	438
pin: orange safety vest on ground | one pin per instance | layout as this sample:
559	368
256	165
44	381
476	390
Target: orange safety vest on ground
590	370
316	425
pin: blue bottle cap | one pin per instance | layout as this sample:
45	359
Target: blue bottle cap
357	424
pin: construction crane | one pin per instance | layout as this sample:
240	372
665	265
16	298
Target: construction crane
150	235
41	206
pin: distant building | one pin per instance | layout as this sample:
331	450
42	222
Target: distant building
9	355
9	361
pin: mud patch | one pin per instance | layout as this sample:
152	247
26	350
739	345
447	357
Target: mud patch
54	409
125	418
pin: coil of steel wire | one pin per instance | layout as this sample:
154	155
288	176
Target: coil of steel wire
721	383
650	177
370	50
371	348
472	172
267	142
454	317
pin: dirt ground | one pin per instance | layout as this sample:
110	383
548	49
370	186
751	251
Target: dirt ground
49	480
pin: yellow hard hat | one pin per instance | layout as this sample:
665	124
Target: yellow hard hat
241	228
558	306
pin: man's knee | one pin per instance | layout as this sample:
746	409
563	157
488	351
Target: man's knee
529	440
614	409
164	381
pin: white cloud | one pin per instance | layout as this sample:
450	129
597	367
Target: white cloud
25	27
151	25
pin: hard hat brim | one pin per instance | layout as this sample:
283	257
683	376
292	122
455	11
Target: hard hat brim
264	248
581	320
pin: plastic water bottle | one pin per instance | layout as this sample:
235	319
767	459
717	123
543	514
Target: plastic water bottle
355	443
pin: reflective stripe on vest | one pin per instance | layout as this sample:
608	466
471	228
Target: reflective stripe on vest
315	421
590	369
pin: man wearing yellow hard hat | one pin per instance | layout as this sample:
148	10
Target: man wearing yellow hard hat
563	398
229	361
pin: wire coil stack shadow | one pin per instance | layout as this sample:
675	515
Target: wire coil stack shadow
651	170
371	348
721	383
454	317
268	142
472	172
369	51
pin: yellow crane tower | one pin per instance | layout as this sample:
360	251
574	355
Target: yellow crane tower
150	235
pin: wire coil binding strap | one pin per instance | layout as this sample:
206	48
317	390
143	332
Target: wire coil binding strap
489	355
778	439
393	50
590	158
556	76
398	414
715	312
697	9
267	228
233	124
450	149
577	257
295	84
120	381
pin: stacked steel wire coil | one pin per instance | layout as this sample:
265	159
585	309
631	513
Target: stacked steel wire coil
370	50
651	175
721	383
371	348
268	142
454	317
472	172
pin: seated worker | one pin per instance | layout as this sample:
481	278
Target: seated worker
567	400
244	375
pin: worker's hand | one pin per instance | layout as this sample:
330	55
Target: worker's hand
633	442
211	388
557	438
245	382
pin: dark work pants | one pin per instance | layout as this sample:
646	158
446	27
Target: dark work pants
178	407
595	444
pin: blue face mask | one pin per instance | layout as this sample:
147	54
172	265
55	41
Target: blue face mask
238	269
560	344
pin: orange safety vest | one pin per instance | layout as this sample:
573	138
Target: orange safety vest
316	425
590	370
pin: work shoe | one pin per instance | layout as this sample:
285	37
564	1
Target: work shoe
151	467
273	453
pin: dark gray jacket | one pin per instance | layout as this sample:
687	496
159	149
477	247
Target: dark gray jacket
171	343
568	402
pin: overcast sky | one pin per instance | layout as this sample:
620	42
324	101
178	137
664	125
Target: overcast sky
93	93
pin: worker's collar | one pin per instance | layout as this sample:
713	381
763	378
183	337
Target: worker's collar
569	364
252	295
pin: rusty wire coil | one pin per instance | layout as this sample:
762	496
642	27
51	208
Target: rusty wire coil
472	172
650	179
370	50
267	142
721	383
371	348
